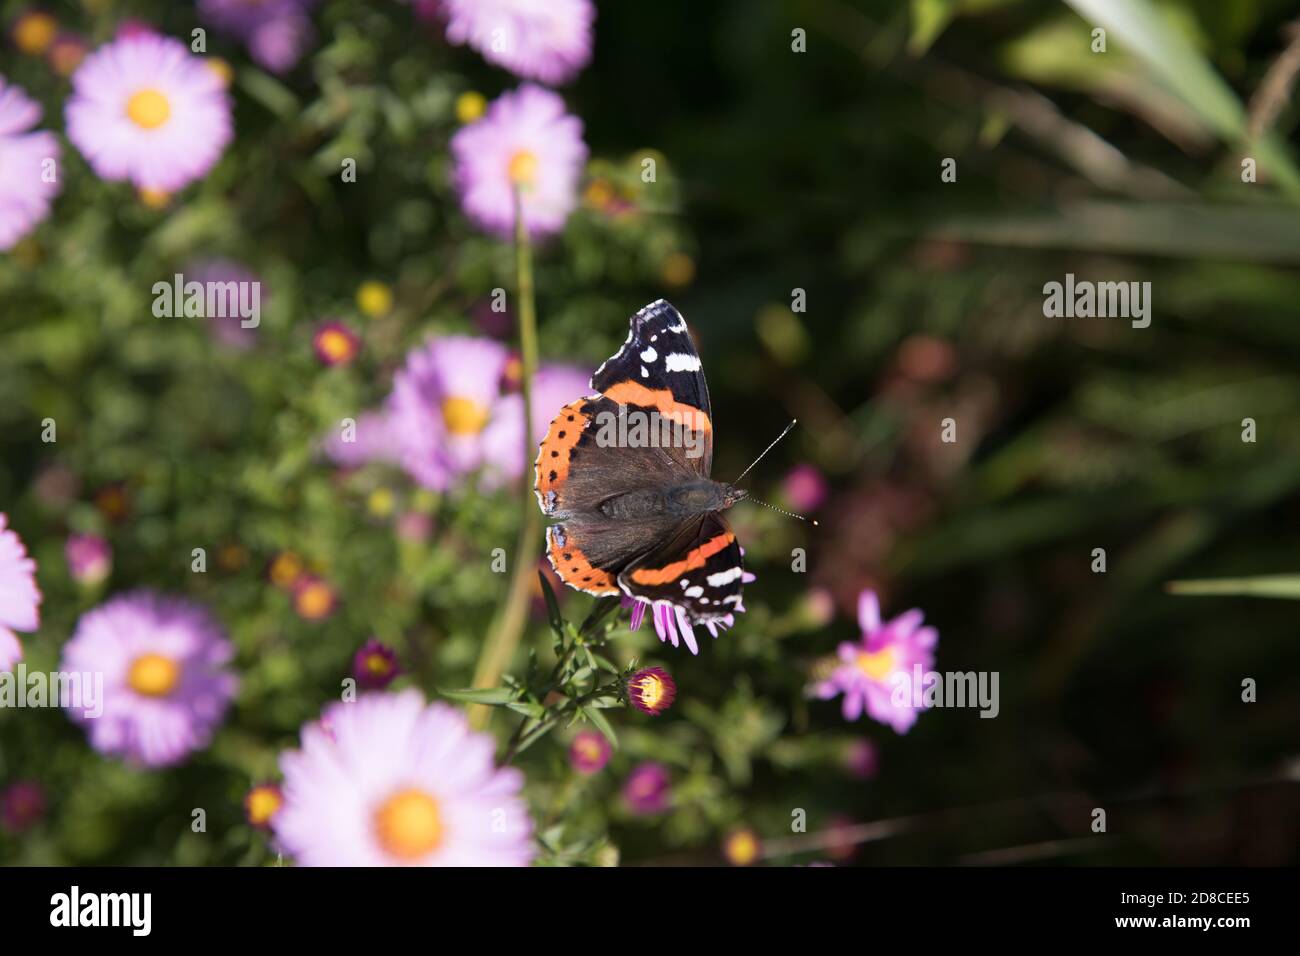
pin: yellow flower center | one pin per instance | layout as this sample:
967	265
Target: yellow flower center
589	749
34	33
470	106
464	416
523	168
876	665
742	848
377	664
148	109
374	299
263	802
153	675
409	824
652	690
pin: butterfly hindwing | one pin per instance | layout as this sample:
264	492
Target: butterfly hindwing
699	568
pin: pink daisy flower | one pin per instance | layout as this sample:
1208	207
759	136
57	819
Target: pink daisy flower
525	140
648	788
20	598
276	32
25	195
375	665
144	109
867	667
651	690
166	686
335	343
89	557
447	416
589	752
398	782
546	40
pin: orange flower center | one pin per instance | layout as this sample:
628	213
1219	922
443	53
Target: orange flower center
153	675
34	32
523	168
409	824
263	803
315	601
148	109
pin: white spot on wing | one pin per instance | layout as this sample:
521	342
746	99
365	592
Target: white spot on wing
677	362
645	372
649	355
695	591
723	578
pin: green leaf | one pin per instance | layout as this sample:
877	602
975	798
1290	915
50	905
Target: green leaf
494	696
527	708
1166	51
1267	586
552	606
602	724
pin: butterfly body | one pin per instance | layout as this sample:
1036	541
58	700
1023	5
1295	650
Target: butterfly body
636	509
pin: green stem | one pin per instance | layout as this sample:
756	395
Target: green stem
508	625
523	739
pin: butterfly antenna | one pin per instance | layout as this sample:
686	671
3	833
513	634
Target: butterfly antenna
793	422
788	514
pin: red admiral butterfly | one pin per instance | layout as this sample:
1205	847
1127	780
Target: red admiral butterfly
627	474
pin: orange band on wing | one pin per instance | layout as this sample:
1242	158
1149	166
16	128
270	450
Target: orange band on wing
660	399
696	559
573	566
552	465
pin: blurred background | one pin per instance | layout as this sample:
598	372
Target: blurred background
777	171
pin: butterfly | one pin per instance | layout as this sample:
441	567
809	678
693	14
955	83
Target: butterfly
625	474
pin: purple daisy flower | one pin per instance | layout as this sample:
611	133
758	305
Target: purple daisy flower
528	141
545	40
398	782
144	109
647	788
166	687
375	665
89	557
589	752
447	416
20	598
867	667
275	31
25	192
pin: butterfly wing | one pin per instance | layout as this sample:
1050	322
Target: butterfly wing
658	369
698	567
